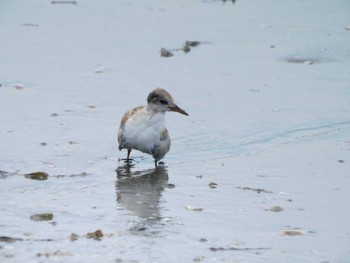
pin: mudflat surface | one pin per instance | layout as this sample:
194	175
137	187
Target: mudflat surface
259	171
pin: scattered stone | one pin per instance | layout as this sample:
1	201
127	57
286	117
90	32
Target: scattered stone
186	49
9	239
199	258
37	176
42	255
216	249
203	240
347	28
187	46
43	143
258	190
199	176
72	142
41	217
91	106
341	161
97	235
300	60
165	53
213	185
4	174
192	43
191	208
54	114
62	253
56	253
275	209
73	237
171	186
292	233
83	174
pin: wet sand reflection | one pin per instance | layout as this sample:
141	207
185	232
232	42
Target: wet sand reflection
139	191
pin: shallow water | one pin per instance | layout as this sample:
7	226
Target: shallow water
257	173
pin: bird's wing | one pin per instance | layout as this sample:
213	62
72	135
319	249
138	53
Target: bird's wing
126	117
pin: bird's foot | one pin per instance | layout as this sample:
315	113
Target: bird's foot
126	160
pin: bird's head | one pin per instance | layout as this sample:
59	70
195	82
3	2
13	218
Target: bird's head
159	100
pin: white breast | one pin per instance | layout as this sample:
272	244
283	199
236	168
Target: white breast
142	130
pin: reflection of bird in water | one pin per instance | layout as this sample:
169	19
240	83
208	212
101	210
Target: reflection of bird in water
143	128
140	191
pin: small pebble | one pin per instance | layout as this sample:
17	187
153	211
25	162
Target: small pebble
292	233
9	239
166	53
98	234
41	217
186	49
213	185
73	237
171	186
198	259
192	43
198	209
275	209
37	176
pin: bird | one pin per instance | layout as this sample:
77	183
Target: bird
143	128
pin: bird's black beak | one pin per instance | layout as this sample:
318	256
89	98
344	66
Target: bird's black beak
178	109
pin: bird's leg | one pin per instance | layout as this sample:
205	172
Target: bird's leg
128	156
128	160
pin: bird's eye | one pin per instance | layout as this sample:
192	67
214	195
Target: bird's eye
163	101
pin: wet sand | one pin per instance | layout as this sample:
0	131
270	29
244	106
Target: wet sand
257	173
